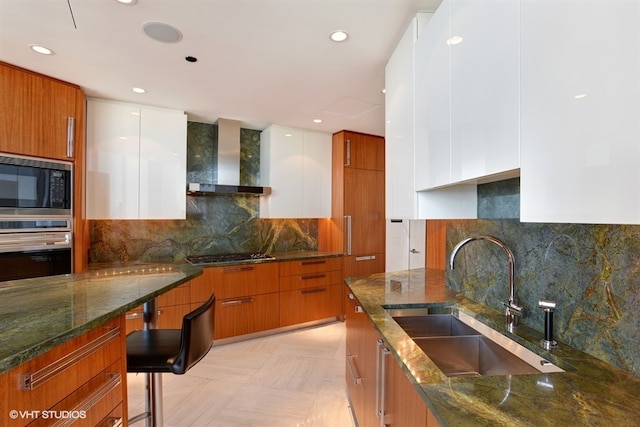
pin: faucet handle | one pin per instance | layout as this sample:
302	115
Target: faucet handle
514	309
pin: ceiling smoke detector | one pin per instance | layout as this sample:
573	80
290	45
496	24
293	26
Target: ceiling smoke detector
161	32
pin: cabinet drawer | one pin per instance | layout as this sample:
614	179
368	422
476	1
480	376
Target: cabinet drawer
307	266
176	296
305	305
91	403
236	281
245	315
168	317
310	280
43	382
364	265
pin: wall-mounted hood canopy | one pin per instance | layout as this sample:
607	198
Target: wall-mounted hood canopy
228	168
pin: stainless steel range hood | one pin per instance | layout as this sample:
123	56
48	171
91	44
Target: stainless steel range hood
228	176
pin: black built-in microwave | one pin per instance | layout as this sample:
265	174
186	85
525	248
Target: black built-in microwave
31	186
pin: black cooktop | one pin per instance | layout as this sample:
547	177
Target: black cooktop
213	259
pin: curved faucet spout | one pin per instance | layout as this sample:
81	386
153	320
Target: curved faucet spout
513	309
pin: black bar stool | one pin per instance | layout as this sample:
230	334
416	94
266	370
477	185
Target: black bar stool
157	351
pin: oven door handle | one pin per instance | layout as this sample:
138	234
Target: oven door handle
34	241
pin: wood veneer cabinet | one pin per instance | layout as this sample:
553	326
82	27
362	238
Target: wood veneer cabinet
357	228
247	299
172	306
377	385
84	378
45	117
39	114
310	290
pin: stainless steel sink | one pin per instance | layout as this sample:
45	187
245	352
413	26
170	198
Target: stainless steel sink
460	345
434	325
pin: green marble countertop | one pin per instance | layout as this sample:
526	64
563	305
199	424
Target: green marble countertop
278	257
590	393
38	314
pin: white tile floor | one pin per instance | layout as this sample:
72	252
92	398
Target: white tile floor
291	379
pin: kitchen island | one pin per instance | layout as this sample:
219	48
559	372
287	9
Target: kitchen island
62	339
589	392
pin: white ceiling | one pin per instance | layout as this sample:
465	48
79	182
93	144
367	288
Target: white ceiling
259	61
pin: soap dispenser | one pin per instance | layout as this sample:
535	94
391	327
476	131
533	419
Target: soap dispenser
549	307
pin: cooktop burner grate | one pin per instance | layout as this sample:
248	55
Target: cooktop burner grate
213	259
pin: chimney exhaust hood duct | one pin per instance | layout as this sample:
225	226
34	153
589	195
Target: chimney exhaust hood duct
228	178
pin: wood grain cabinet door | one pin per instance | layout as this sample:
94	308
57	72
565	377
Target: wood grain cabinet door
39	114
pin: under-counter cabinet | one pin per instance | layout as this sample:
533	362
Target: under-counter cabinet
580	63
83	379
172	306
380	392
136	161
296	164
247	299
310	290
41	116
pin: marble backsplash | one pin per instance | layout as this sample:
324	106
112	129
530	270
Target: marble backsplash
591	271
215	224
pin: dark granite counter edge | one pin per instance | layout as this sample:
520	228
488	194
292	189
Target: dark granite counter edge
278	257
42	347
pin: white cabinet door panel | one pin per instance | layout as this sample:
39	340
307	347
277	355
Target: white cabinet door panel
432	103
484	88
580	122
296	164
112	161
316	179
163	171
136	161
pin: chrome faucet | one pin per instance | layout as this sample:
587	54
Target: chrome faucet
513	311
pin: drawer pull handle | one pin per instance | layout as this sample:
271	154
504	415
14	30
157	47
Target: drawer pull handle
236	269
115	422
237	301
313	262
365	258
113	381
138	315
355	376
315	276
43	375
312	291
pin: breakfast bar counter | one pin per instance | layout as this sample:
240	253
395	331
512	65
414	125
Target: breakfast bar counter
39	314
590	392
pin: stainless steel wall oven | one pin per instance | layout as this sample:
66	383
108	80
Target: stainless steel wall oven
35	217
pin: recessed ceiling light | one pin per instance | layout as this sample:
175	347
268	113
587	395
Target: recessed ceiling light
317	121
454	40
338	35
41	49
138	90
288	134
580	96
127	2
162	32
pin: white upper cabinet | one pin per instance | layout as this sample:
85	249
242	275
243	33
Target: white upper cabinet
296	164
467	94
485	86
136	161
580	122
432	103
400	197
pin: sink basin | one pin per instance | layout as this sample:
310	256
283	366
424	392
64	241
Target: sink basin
460	345
434	325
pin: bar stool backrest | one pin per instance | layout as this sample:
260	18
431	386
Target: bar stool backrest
197	337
